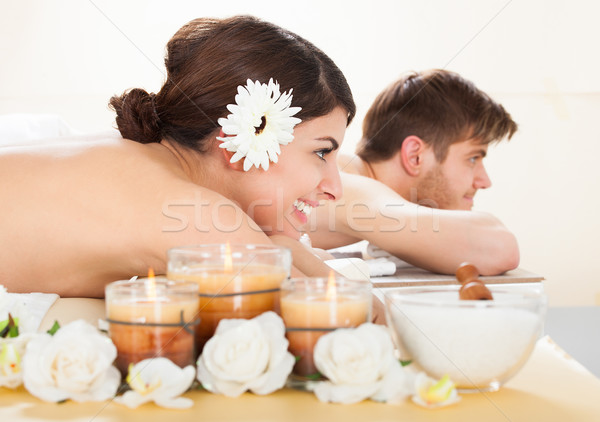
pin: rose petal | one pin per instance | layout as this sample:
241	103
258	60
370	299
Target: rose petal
75	363
275	378
346	394
246	355
360	363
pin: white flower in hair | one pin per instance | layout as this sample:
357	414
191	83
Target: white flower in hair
260	120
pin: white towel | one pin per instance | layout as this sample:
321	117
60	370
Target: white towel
360	269
381	266
351	268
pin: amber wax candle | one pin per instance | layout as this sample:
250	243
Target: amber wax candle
312	307
152	317
234	281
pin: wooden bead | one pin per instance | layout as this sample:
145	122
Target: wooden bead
474	290
466	272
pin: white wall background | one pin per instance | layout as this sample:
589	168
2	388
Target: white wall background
539	58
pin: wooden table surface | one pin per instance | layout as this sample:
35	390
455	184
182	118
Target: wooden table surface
414	276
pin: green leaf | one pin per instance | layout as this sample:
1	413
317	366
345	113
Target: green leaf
3	328
9	327
315	376
196	385
405	362
297	358
13	326
54	329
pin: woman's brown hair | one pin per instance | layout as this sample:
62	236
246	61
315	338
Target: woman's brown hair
207	59
439	107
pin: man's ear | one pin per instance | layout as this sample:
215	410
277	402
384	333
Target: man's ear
238	165
412	154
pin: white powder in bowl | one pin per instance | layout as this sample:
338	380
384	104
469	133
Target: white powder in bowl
474	346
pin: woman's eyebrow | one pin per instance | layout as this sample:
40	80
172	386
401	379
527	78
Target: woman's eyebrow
335	144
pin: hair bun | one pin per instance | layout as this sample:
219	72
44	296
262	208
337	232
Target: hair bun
137	117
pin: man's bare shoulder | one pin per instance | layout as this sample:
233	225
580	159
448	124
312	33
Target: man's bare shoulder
357	187
348	163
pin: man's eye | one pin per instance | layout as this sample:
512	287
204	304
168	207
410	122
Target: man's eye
473	160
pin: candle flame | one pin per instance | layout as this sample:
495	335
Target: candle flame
331	290
151	284
228	258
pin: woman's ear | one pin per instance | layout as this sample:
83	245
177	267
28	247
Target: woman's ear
238	165
412	153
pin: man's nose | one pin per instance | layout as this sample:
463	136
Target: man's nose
481	180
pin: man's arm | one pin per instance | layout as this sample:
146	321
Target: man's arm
437	240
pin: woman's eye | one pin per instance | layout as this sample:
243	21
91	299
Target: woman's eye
322	153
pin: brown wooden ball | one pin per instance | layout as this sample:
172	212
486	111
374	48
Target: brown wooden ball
474	290
467	272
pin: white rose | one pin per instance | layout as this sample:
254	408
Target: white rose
75	363
359	363
246	355
12	350
158	380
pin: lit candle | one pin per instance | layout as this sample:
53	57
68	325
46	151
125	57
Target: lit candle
237	281
150	318
311	307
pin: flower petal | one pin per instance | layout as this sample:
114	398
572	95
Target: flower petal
246	355
75	363
433	394
360	363
258	105
158	380
346	394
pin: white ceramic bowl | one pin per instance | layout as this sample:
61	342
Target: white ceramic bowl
479	344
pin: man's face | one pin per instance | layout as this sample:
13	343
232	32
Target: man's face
453	183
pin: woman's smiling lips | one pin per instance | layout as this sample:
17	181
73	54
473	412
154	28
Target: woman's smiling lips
303	208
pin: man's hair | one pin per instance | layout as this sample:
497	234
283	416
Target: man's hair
438	106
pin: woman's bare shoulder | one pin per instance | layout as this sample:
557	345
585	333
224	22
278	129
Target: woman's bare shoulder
195	214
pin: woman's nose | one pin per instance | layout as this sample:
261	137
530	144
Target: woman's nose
331	183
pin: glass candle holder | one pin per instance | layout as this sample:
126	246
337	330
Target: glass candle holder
234	281
312	307
152	317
